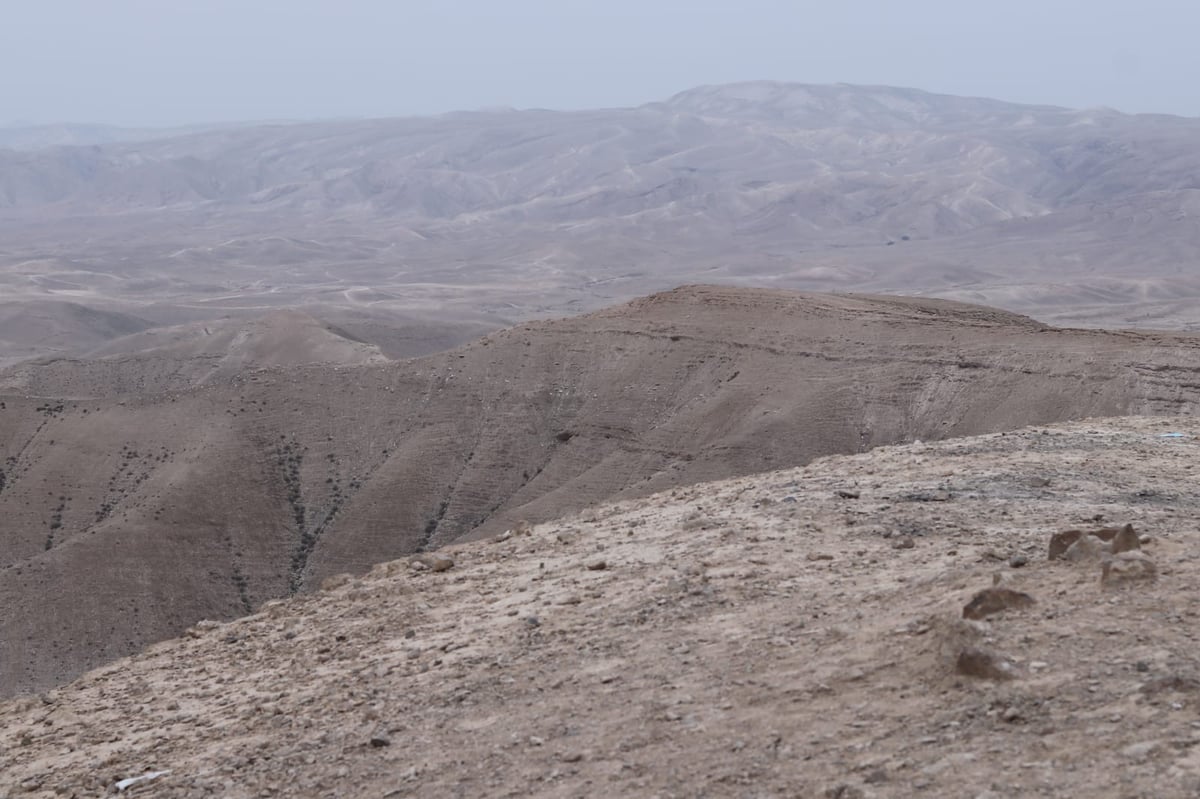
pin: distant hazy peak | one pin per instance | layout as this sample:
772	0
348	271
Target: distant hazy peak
843	104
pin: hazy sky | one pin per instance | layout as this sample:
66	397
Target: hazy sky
161	62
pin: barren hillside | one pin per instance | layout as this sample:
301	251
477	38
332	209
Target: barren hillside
161	509
161	360
34	327
1085	216
789	633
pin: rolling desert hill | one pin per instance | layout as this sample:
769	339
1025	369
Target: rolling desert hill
204	502
791	633
161	360
39	326
1086	216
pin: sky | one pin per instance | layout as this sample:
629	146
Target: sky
174	62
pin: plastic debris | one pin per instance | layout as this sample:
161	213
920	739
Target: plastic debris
1173	435
124	784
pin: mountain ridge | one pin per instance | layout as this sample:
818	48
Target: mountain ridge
528	214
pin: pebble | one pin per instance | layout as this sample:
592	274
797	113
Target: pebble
380	739
1017	561
906	542
597	565
876	776
1139	750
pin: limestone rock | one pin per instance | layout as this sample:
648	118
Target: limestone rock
1126	540
1060	543
1086	548
1128	567
336	581
436	563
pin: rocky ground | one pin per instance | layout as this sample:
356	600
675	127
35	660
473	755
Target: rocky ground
797	633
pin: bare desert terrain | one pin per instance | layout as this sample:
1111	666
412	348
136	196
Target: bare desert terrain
1084	217
167	494
712	447
790	633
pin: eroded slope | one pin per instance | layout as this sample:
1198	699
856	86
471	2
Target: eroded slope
155	511
780	634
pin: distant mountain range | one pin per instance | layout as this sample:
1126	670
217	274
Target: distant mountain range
1087	217
25	136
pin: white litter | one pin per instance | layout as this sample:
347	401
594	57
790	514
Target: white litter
131	781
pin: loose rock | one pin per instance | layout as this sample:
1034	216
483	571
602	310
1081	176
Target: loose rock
993	600
985	665
336	581
1128	567
201	627
1126	540
1086	548
1060	543
1140	750
437	563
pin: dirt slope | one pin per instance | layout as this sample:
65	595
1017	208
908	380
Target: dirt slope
793	633
154	511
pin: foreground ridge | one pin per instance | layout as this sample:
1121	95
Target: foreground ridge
789	633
